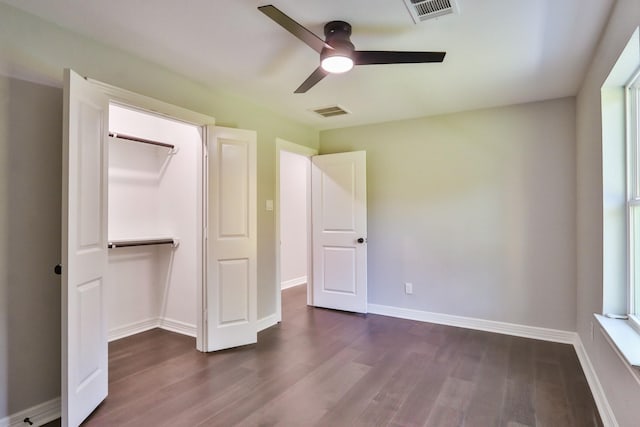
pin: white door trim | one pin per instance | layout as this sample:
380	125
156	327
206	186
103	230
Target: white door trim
308	152
153	105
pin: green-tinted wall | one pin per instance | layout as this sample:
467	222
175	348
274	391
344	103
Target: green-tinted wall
34	50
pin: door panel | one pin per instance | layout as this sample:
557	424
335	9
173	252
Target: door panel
234	291
338	196
84	249
339	207
338	269
231	291
233	187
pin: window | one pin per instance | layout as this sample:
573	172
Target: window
620	109
633	198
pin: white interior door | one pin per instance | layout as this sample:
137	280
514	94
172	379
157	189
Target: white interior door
231	259
339	216
84	249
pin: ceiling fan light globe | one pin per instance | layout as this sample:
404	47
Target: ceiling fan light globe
336	64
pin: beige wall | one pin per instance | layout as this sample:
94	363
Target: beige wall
31	49
621	386
30	194
476	209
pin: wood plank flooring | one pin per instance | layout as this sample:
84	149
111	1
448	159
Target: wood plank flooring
328	368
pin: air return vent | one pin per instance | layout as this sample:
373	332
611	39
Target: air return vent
421	10
334	110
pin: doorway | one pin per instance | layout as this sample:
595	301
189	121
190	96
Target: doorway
153	223
293	219
336	227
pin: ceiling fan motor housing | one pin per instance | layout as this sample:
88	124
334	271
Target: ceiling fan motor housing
337	35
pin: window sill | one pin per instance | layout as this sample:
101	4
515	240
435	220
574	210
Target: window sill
625	338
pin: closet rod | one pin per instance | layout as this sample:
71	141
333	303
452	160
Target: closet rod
128	243
142	140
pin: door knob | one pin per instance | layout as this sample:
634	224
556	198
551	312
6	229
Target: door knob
58	269
361	240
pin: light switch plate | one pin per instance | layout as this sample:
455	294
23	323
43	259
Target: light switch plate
269	205
408	288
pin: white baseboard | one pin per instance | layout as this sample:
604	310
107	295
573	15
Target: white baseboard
293	282
178	326
133	328
145	325
606	413
267	322
554	335
38	415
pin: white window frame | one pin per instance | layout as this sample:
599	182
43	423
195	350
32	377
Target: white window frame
632	94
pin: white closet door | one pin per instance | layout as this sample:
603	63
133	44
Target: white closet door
231	289
84	249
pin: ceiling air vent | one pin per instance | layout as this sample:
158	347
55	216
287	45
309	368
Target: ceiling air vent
334	110
421	10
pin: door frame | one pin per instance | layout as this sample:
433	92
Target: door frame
308	152
154	106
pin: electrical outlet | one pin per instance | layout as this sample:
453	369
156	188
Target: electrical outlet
408	288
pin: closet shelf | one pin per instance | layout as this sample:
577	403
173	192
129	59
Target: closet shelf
144	141
142	242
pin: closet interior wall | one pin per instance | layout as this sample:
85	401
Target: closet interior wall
153	193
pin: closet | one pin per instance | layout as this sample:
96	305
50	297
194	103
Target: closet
159	229
153	273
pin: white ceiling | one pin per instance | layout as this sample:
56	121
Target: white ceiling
499	52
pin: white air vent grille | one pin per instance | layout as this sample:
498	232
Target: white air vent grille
334	110
421	10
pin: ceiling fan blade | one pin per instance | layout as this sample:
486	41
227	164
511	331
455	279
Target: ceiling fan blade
311	81
315	42
369	57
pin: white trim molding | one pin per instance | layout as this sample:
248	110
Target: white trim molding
554	335
38	415
267	322
148	324
293	282
624	339
178	327
606	413
132	329
154	105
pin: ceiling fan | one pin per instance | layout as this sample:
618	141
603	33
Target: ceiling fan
337	53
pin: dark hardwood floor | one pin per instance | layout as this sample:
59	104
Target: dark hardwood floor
328	368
